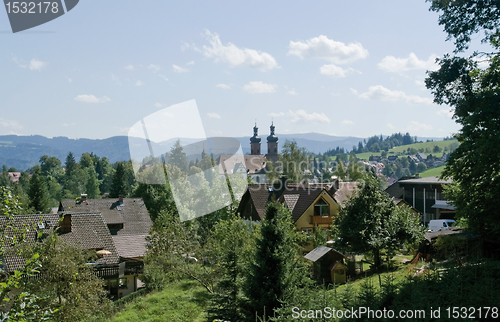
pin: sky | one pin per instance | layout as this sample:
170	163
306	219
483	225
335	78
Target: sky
344	68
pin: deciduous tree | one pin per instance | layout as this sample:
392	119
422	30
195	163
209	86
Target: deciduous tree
474	95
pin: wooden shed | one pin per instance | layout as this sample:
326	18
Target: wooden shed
328	264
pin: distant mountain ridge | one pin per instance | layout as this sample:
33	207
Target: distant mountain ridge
23	152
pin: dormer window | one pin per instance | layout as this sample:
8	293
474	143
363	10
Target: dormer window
321	208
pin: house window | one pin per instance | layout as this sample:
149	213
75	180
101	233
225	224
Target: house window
321	208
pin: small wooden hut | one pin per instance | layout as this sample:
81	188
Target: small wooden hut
328	265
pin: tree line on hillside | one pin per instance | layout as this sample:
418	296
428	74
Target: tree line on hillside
376	144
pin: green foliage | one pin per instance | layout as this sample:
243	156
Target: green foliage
66	283
119	185
371	221
293	161
231	244
473	94
38	192
92	184
276	271
177	157
174	247
179	301
18	303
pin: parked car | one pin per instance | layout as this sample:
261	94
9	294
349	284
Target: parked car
440	224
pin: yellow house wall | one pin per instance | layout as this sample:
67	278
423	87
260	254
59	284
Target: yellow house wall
305	220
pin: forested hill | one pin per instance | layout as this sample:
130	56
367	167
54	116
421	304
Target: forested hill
23	152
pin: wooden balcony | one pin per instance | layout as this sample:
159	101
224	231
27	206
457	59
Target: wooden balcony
317	220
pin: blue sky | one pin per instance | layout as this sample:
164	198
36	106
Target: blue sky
346	68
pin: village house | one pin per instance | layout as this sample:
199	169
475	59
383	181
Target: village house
311	205
128	223
425	195
87	231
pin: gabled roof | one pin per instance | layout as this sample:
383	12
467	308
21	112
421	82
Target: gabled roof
337	263
132	213
305	197
88	231
319	252
291	201
344	192
297	197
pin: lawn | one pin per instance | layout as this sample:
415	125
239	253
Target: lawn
434	172
180	301
402	149
398	272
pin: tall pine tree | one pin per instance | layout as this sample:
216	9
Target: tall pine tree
275	272
37	193
119	184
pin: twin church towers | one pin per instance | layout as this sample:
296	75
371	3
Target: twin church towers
272	144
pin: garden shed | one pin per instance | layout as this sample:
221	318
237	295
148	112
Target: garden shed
328	265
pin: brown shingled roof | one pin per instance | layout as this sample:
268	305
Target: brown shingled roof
344	192
132	213
130	246
88	231
298	197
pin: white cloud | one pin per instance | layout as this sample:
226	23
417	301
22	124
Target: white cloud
259	88
185	46
139	83
347	122
235	56
11	124
69	79
273	114
154	68
129	67
36	64
389	125
415	126
163	77
303	116
223	86
190	63
379	92
158	105
292	92
398	65
333	71
213	115
445	112
323	48
91	99
179	69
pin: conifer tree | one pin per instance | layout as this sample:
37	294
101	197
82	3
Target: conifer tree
275	272
119	184
37	192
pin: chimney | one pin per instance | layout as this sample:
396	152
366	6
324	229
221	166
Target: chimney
83	197
65	224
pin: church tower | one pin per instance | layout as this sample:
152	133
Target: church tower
272	145
255	141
